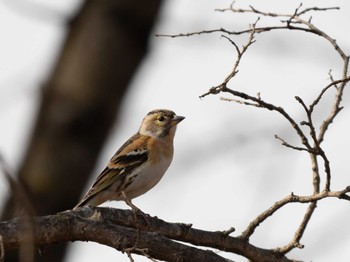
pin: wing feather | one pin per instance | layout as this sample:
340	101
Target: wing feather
121	164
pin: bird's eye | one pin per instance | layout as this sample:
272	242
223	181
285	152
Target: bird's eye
161	118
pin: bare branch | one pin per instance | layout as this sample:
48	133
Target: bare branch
121	230
270	14
234	71
336	106
306	10
228	231
293	21
268	106
285	143
310	28
239	101
295	242
292	199
315	173
128	253
233	43
323	91
309	122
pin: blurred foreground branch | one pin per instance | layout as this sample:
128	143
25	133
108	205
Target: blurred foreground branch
105	43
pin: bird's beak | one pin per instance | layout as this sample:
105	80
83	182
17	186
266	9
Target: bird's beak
177	119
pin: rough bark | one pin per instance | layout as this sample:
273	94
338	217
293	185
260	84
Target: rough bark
129	232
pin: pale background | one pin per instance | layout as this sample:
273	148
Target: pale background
227	168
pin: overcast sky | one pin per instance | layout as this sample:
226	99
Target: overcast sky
227	167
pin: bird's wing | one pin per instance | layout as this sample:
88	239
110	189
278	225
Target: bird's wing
131	155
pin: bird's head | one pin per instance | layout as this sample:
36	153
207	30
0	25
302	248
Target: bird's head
160	123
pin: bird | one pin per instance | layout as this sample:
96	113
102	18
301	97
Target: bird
139	164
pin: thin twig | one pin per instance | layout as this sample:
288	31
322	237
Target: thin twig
336	106
295	242
129	254
273	107
286	144
239	101
233	43
294	21
292	198
309	122
234	71
228	231
323	91
256	11
306	10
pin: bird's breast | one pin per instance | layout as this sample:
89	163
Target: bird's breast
150	173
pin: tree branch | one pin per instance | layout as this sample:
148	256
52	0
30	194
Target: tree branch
342	194
311	142
134	233
295	242
292	21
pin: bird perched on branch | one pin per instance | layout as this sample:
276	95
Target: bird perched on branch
139	164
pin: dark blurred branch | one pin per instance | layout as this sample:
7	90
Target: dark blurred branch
105	44
26	248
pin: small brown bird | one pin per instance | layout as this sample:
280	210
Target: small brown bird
139	164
